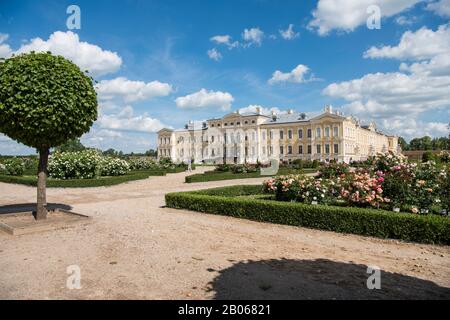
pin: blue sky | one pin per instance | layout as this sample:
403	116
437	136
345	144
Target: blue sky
162	63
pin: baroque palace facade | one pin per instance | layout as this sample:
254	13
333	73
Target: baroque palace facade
251	137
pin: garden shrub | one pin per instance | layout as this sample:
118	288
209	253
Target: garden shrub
74	165
333	169
12	167
113	166
363	221
427	156
143	164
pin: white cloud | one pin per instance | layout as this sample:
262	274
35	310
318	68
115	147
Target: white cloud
205	99
224	40
264	110
253	36
441	7
11	147
421	44
87	56
126	120
405	21
347	15
215	55
297	75
5	49
411	128
289	33
131	91
398	99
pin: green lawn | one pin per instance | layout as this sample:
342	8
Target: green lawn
217	175
31	180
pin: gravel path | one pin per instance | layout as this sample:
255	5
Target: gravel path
136	249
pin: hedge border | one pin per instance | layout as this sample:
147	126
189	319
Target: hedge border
220	176
84	183
361	221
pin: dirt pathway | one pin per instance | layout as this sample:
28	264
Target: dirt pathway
135	249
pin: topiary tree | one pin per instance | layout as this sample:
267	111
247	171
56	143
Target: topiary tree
45	100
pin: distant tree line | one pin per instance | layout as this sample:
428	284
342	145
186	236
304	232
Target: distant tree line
76	145
425	143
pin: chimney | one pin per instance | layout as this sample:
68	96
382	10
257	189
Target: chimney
290	111
258	110
237	111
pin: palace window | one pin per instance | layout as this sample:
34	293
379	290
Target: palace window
289	134
246	122
327	132
336	148
309	149
253	121
318	147
289	149
300	133
281	134
264	135
335	131
300	149
327	149
263	150
281	150
317	132
309	134
271	134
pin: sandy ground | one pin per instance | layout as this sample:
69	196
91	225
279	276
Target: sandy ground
136	249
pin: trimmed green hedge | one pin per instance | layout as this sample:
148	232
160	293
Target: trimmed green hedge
84	183
368	222
218	176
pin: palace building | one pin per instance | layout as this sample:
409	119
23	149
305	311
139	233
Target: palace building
251	137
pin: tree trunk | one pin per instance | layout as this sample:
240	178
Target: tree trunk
41	212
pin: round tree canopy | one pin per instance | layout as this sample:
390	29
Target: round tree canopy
45	100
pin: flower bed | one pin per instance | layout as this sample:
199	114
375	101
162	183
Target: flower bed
87	168
388	182
235	201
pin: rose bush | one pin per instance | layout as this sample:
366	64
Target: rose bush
386	181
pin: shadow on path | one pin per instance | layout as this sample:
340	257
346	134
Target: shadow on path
24	207
316	279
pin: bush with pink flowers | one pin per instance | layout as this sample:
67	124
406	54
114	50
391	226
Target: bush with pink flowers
388	182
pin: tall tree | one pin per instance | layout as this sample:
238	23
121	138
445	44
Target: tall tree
403	144
71	146
45	100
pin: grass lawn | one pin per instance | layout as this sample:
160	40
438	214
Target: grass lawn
31	180
217	175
